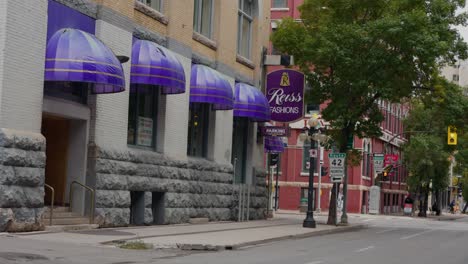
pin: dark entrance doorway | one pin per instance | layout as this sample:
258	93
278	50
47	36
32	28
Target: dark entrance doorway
56	132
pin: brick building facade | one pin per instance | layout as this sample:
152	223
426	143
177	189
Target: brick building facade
293	179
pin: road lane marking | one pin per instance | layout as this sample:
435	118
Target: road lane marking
315	262
364	249
417	234
385	231
367	220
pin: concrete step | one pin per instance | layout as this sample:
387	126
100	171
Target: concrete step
64	228
61	215
67	221
57	209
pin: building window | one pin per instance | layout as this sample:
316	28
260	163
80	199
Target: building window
279	4
239	148
312	108
244	28
455	77
203	17
72	91
142	116
155	4
199	116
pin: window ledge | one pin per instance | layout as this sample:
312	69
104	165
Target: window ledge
366	178
152	149
279	9
205	40
245	61
151	12
306	174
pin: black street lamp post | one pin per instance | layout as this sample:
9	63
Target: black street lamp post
311	131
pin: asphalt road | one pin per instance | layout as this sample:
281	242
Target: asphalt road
387	240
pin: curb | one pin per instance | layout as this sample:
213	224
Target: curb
189	233
208	247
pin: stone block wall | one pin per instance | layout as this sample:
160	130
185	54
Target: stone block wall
194	188
22	163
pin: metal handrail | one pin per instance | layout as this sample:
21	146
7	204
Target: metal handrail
91	213
51	203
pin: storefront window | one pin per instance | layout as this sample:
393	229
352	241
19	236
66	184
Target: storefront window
198	129
239	148
142	116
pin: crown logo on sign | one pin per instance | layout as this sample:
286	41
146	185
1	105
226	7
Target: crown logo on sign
284	79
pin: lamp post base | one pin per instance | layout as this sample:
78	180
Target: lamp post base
309	222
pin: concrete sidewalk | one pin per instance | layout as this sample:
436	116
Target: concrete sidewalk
210	236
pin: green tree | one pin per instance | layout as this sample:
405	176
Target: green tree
355	52
427	154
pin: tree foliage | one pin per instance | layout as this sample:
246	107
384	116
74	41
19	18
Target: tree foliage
427	155
355	52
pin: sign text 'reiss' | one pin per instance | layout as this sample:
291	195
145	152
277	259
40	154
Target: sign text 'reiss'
285	94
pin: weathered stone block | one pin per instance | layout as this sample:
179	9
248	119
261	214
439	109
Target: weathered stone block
176	215
148	216
7	175
111	181
27	176
137	183
22	158
11	196
6	217
115	167
148	199
10	138
112	199
149	170
33	197
112	217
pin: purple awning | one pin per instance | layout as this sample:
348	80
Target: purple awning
251	103
208	86
76	56
153	64
274	145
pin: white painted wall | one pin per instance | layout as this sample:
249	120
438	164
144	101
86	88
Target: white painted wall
111	120
222	140
175	121
23	31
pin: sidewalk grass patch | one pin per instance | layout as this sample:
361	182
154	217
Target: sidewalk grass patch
135	244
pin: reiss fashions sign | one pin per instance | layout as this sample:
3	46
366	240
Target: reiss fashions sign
285	94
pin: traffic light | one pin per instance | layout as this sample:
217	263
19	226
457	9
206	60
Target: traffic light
452	135
386	171
274	157
324	171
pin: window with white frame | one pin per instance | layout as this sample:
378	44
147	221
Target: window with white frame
366	160
279	4
155	4
244	28
203	17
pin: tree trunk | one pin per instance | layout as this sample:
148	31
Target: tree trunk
438	202
332	207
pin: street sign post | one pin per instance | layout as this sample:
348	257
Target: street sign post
378	162
337	164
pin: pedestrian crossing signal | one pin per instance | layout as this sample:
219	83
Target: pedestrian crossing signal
452	135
